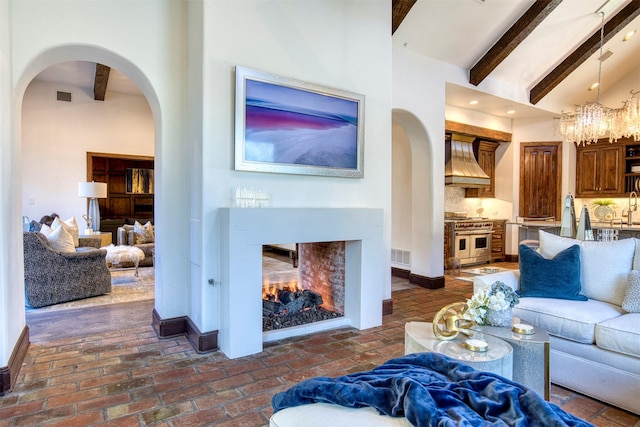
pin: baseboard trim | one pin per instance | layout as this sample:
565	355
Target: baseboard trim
400	272
511	258
9	373
427	282
387	307
167	328
202	342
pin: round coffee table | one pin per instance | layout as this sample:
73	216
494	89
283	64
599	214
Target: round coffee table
498	358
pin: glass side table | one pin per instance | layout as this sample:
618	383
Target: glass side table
498	358
530	354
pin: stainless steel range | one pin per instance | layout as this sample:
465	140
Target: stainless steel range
471	238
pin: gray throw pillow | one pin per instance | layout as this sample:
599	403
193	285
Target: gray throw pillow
631	302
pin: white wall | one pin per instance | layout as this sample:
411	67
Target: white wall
345	45
418	106
12	313
182	59
146	41
56	137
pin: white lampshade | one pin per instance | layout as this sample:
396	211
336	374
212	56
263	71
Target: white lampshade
92	190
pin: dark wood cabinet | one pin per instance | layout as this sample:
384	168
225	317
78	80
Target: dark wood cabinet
498	240
112	169
600	170
448	241
485	153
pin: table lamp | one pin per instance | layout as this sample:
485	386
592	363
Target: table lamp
93	191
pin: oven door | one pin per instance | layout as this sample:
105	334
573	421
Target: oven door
462	247
481	242
476	248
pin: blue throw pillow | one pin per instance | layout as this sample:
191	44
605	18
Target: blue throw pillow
550	278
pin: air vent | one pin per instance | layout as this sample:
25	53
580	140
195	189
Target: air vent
64	96
399	256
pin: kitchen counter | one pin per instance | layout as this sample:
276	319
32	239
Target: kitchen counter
594	225
607	225
529	230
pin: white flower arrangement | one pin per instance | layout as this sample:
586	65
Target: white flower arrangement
496	297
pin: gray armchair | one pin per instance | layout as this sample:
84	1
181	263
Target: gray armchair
126	237
53	277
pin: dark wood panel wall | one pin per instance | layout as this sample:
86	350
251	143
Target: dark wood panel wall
111	168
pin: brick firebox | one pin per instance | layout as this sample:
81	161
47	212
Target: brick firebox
322	268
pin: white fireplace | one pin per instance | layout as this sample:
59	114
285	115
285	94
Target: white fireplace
245	230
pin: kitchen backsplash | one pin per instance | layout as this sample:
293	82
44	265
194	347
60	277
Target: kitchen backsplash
454	201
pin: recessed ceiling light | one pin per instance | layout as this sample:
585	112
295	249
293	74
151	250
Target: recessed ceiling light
628	35
474	102
511	112
593	86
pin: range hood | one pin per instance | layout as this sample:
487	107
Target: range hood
461	168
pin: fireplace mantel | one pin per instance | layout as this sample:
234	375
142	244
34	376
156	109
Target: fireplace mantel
245	230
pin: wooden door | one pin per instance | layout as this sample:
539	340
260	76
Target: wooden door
540	179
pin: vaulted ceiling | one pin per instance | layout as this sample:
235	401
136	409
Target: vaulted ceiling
549	48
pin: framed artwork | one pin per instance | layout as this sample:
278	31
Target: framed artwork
284	125
139	181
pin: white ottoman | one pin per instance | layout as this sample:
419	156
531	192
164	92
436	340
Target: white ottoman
124	256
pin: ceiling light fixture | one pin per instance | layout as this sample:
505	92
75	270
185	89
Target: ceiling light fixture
474	102
593	121
511	112
629	35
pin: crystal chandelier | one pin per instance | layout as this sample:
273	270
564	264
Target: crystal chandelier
593	121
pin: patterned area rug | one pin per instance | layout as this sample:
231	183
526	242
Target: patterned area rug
125	287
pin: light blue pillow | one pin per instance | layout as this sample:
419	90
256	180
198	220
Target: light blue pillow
558	277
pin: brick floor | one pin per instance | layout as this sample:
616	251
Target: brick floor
130	378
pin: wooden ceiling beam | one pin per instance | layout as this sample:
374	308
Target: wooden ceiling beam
399	10
476	131
511	39
584	51
100	82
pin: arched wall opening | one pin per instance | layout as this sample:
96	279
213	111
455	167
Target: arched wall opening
62	54
424	199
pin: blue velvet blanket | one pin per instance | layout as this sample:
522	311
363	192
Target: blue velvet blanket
430	389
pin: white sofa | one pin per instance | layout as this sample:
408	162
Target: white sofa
595	344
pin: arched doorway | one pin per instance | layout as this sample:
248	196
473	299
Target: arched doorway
425	235
69	54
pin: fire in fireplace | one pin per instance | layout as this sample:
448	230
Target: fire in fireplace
311	292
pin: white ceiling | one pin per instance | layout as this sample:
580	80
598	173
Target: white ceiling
82	74
460	32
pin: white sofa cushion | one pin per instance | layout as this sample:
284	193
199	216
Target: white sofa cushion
70	225
620	334
573	320
510	278
604	266
61	240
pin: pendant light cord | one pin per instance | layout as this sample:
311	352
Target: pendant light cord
600	58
